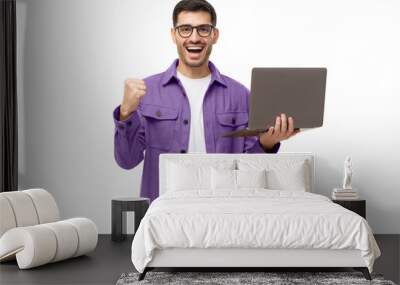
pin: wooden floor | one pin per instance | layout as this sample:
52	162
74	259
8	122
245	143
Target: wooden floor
111	259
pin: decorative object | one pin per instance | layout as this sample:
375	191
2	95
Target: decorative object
347	192
348	173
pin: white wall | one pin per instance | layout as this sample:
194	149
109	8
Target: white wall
74	55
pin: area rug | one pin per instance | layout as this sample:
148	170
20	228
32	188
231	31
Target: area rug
244	278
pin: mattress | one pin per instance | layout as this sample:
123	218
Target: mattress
251	219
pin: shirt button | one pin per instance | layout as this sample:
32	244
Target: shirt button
185	122
183	151
233	120
158	113
129	123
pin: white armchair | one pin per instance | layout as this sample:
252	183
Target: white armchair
31	230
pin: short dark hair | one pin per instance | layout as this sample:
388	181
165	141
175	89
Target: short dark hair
194	6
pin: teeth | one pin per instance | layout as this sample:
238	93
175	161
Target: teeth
194	48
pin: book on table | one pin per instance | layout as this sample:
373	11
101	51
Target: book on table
345	194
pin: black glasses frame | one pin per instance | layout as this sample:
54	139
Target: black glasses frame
197	30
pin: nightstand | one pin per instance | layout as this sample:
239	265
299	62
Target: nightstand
119	207
357	206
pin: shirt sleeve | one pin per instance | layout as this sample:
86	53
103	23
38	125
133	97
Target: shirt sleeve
129	139
253	145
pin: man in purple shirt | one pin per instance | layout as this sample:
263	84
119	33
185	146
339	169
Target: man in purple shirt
155	114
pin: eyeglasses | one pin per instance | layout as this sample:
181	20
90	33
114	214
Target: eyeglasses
186	31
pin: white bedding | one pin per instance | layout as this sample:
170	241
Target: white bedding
250	218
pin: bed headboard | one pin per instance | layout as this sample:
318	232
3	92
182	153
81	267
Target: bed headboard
165	158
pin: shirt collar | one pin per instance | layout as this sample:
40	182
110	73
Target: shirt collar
171	73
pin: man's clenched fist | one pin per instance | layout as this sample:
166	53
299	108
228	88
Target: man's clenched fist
134	90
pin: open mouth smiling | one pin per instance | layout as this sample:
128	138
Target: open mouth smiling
194	49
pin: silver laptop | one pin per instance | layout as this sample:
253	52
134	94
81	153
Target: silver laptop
297	92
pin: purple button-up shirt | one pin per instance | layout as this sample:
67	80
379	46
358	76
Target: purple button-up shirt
161	124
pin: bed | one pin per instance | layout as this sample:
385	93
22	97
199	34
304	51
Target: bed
246	211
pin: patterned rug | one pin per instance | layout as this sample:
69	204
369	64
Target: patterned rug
244	278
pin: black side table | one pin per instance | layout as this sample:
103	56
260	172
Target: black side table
119	207
357	206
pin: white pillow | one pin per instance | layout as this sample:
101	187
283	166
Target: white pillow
193	174
251	178
223	179
229	179
192	160
291	178
282	174
188	177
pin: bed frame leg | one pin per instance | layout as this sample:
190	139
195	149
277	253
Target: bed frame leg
143	274
364	271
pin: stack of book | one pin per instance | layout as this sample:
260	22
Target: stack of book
344	194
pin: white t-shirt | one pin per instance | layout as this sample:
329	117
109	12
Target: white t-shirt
195	90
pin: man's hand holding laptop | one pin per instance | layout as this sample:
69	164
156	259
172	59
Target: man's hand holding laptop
283	129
